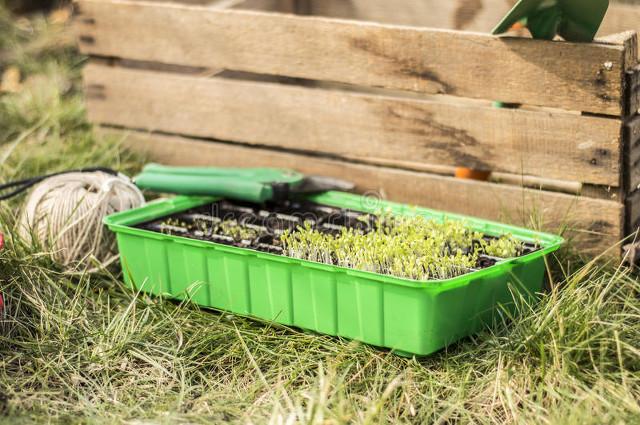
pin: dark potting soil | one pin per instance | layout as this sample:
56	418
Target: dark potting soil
259	226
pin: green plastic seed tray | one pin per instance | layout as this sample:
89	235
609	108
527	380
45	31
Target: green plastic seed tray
410	317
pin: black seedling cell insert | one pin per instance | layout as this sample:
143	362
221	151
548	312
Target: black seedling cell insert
259	227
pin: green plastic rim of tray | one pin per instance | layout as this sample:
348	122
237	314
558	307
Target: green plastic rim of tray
573	20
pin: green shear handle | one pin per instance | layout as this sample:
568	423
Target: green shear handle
256	185
573	20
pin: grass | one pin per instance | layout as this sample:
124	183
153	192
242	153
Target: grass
84	349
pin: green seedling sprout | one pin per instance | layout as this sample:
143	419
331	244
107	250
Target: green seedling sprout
411	247
232	229
504	247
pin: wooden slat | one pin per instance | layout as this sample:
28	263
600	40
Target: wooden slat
593	224
365	126
583	77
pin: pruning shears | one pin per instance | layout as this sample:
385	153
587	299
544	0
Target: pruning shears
257	185
245	184
573	20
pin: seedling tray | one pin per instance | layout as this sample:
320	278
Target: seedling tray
253	278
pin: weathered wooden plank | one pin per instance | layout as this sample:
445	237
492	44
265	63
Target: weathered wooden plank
593	224
582	77
365	126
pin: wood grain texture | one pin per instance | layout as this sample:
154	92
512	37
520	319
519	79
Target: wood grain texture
367	127
581	77
594	225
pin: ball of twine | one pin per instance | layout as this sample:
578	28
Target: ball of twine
64	215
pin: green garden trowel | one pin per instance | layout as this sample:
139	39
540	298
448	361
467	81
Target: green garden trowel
244	184
573	20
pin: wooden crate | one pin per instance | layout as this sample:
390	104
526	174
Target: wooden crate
393	107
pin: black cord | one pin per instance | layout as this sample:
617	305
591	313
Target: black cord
22	185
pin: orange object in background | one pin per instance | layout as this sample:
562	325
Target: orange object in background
468	173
